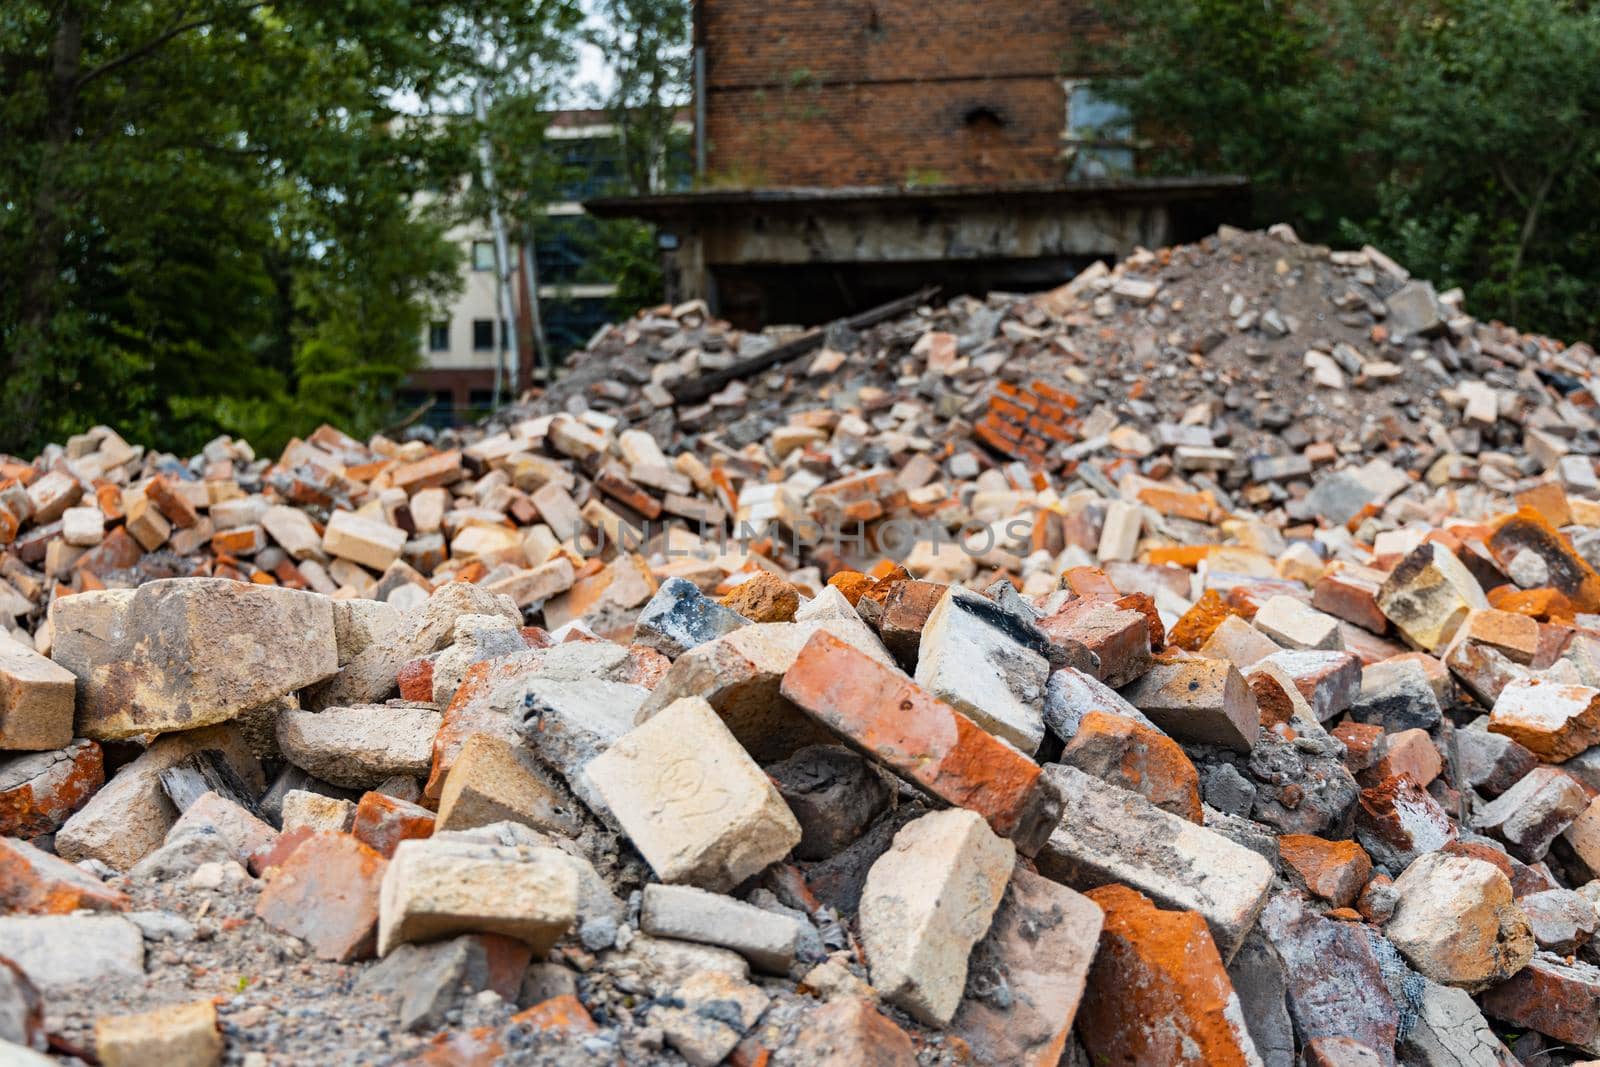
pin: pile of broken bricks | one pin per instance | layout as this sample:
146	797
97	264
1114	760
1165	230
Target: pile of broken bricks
405	752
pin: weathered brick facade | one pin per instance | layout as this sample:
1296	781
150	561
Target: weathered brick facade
884	92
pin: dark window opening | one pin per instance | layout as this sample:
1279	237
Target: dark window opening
483	335
439	336
984	117
483	255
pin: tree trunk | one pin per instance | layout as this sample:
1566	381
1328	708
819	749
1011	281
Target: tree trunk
42	266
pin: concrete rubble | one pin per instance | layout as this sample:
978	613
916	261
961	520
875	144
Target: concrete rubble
1025	679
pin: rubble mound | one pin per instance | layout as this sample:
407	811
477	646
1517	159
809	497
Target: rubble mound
1196	664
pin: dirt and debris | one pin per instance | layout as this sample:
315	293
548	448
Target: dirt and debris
1198	663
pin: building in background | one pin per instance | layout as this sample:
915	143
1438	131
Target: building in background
850	152
463	345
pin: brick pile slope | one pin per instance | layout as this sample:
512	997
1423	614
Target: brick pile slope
1171	735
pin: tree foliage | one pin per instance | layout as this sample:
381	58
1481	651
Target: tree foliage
1461	136
224	216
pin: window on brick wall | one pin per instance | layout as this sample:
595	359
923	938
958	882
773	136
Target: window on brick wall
1098	141
483	335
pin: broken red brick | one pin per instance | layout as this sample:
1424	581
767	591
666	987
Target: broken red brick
382	822
326	894
33	882
39	791
1336	871
891	719
1129	754
1156	964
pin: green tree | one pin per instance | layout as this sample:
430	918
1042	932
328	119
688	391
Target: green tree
1462	136
228	216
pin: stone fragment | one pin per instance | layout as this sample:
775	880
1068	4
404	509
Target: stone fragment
1199	700
1397	821
326	893
40	790
1159	965
244	833
886	717
304	808
680	617
1107	834
493	780
130	816
370	674
179	1035
359	747
21	1012
33	882
441	888
381	822
833	793
181	653
693	802
1296	625
1339	1052
1395	694
36	700
763	598
850	1031
58	952
1336	871
1490	763
1450	1031
474	639
1429	595
1456	922
970	658
1259	979
927	902
708	1015
1562	921
1070	694
1529	815
1336	987
1553	721
1025	979
1139	759
767	939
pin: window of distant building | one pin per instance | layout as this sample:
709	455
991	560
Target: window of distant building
483	335
439	336
483	255
1099	133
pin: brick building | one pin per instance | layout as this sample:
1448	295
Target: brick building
850	150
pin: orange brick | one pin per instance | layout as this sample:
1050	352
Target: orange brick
1528	530
891	719
171	503
1550	501
1197	624
1156	964
33	882
416	679
382	822
1179	555
1129	754
435	471
326	894
1336	871
62	783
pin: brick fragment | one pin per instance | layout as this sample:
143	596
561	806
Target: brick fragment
970	656
326	894
1397	821
888	718
493	780
36	700
383	821
1139	759
1156	964
927	902
1559	999
178	1035
1042	940
1107	834
1429	595
1201	700
1119	636
361	540
1530	815
693	802
1456	923
1336	871
850	1031
33	882
1528	531
1555	722
40	791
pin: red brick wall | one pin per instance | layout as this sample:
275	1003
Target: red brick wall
879	92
